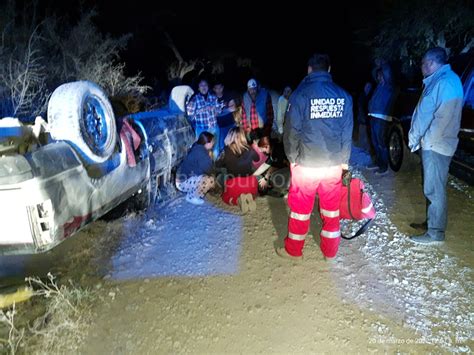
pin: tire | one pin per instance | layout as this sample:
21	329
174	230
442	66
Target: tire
80	113
179	97
395	148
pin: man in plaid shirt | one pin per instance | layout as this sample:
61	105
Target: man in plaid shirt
202	109
257	109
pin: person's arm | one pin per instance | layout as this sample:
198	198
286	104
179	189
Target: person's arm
219	106
292	127
422	118
206	164
259	158
191	107
280	114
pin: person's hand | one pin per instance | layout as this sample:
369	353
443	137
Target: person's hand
263	182
345	166
413	144
414	148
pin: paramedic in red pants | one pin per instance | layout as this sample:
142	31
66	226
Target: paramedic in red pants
317	137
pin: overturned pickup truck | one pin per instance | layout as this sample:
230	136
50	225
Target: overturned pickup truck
57	177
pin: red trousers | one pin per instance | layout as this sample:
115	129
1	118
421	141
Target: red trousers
305	184
234	187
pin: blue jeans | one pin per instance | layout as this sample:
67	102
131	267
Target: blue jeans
222	134
378	128
435	179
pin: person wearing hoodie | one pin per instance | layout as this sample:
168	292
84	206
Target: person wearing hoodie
380	108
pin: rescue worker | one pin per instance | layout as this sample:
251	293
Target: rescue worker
317	139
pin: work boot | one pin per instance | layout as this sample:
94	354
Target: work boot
251	202
281	252
242	202
246	203
426	239
421	226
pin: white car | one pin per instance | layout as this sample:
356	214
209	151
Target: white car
56	180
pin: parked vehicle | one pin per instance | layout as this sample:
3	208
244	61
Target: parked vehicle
462	164
54	181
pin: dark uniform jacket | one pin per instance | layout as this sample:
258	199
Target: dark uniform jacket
318	124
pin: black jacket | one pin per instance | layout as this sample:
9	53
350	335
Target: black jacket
318	124
238	165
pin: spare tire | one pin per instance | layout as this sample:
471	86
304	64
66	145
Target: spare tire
179	97
80	113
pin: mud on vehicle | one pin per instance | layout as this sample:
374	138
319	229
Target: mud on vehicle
59	176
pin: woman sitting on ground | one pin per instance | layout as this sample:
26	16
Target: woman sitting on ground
195	175
240	186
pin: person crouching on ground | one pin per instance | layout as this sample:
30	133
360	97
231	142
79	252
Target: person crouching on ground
195	174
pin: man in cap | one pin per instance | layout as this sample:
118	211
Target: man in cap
257	109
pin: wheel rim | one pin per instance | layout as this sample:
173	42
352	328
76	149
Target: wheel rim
95	127
395	148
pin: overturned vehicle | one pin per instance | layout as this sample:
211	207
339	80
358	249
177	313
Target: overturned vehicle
58	176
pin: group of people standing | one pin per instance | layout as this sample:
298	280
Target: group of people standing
316	130
433	132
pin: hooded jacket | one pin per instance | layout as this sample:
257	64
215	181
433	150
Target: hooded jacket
318	124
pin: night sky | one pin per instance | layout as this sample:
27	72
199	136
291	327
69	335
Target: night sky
278	39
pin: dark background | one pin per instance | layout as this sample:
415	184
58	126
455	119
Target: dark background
278	38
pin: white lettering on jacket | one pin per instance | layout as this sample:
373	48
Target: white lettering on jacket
326	108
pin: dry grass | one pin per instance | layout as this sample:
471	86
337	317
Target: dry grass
61	326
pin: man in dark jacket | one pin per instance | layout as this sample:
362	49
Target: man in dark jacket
317	137
381	106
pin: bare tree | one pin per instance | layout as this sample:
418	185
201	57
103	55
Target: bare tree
180	67
22	72
83	53
408	28
37	57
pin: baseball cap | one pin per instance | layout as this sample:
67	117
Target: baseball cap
252	83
